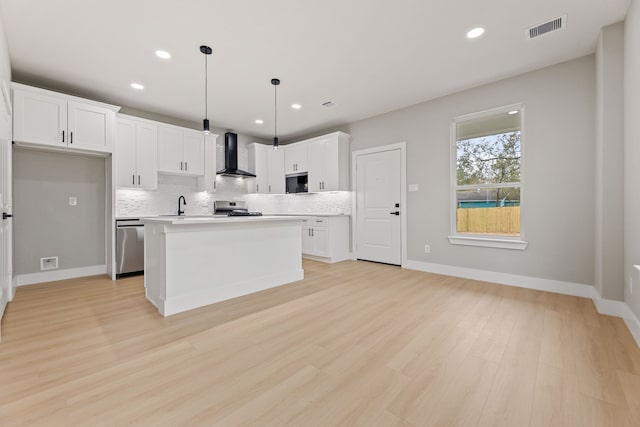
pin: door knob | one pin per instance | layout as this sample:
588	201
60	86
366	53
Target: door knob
6	215
395	213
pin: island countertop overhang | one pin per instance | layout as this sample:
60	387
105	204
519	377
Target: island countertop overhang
202	220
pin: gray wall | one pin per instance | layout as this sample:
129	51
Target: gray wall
44	223
609	244
558	171
632	155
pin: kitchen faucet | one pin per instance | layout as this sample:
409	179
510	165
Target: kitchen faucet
180	211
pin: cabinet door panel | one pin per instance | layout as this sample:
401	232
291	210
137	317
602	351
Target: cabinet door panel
321	241
307	241
147	156
125	153
258	164
316	166
89	126
39	118
331	179
275	160
295	158
193	153
170	150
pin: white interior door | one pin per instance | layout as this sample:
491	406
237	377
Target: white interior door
378	188
7	288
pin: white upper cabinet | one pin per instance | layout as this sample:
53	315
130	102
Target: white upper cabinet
193	152
43	117
295	158
170	150
180	151
268	165
207	182
136	154
258	164
275	160
329	162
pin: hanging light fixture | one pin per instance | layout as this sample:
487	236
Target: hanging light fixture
275	83
206	50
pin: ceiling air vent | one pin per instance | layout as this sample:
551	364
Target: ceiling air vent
328	104
554	25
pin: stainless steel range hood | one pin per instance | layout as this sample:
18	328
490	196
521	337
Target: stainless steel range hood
231	158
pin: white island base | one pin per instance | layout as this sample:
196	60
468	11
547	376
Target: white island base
193	262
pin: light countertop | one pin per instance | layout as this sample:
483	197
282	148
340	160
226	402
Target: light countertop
210	219
309	214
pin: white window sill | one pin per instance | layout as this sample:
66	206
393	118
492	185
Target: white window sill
488	242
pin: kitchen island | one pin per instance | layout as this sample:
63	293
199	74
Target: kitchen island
191	262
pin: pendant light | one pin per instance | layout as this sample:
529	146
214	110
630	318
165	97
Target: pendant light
275	83
206	50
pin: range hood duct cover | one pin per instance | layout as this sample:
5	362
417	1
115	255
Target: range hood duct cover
231	158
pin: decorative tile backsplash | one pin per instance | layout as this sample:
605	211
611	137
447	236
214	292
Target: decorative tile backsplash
164	200
330	202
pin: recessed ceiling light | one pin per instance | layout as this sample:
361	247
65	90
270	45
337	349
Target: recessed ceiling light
259	121
475	33
137	86
514	112
296	106
163	54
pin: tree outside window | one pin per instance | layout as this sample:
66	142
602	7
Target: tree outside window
488	174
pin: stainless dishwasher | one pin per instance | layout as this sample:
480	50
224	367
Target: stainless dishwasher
129	247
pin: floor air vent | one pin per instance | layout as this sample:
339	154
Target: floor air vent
548	27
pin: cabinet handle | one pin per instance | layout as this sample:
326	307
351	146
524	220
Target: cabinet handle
62	136
312	235
71	137
185	166
138	179
133	179
269	188
180	165
257	188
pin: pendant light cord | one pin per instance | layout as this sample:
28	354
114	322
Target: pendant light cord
275	110
206	89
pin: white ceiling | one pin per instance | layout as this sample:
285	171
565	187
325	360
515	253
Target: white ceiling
367	56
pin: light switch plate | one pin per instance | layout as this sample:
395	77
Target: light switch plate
73	201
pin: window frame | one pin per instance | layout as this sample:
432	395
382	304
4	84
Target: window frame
486	240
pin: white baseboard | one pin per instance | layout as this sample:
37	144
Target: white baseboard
603	306
3	301
53	275
548	285
634	327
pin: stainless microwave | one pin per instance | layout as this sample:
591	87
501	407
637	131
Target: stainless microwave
297	183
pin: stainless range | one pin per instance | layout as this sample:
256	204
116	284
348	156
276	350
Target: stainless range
229	208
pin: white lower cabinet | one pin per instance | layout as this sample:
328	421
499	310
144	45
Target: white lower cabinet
326	238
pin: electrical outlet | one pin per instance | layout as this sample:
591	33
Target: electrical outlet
73	201
49	263
427	249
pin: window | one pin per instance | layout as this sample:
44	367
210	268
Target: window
486	153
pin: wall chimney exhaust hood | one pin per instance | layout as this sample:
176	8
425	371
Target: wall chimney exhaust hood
231	158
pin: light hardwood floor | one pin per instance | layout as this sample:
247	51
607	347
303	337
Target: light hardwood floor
355	343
